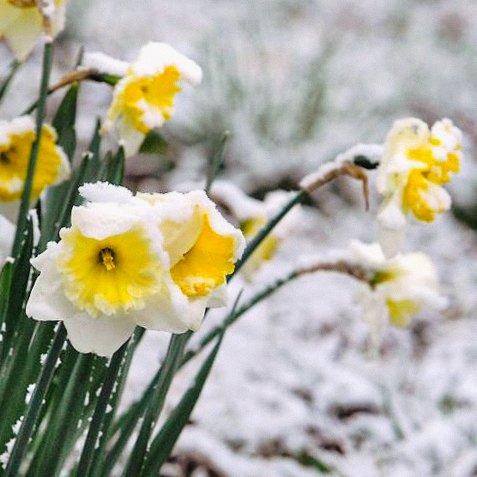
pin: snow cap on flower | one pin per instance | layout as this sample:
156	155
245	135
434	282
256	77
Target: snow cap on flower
155	260
202	246
416	162
16	140
144	98
252	215
23	21
401	286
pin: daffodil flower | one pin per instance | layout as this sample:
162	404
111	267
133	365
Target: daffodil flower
154	260
400	287
416	162
202	246
23	21
144	98
16	140
252	215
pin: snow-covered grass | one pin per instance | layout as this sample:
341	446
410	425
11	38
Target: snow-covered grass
296	378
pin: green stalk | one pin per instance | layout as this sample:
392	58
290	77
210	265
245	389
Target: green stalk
35	404
156	404
87	455
6	83
162	445
235	314
299	197
40	118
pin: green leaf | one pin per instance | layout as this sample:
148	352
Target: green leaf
164	442
96	428
216	160
153	143
64	121
33	409
156	403
113	167
5	286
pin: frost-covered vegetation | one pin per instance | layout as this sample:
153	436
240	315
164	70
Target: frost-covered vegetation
361	360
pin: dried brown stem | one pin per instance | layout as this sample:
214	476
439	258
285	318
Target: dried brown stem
341	266
345	169
72	77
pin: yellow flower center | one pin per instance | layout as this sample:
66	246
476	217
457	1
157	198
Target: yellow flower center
107	258
23	3
14	159
400	311
206	264
432	171
145	93
110	275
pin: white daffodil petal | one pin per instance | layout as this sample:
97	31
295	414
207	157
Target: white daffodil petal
47	300
102	336
22	34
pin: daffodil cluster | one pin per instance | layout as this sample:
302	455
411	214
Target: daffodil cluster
16	140
153	260
143	99
22	21
400	287
416	162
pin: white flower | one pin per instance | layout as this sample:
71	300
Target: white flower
253	214
16	140
144	98
155	261
400	287
22	22
416	162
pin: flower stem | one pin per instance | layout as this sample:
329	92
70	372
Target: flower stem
40	118
258	239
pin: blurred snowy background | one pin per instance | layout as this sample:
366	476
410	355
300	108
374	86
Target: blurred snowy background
295	392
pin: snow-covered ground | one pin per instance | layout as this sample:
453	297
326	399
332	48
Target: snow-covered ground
296	386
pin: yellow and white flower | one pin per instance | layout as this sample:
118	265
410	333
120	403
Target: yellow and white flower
155	260
252	215
400	287
16	140
202	246
23	21
144	98
416	162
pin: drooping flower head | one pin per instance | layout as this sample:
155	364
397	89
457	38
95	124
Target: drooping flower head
416	163
155	260
400	287
22	21
16	140
144	98
252	215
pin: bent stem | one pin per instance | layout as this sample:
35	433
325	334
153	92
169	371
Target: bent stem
339	266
